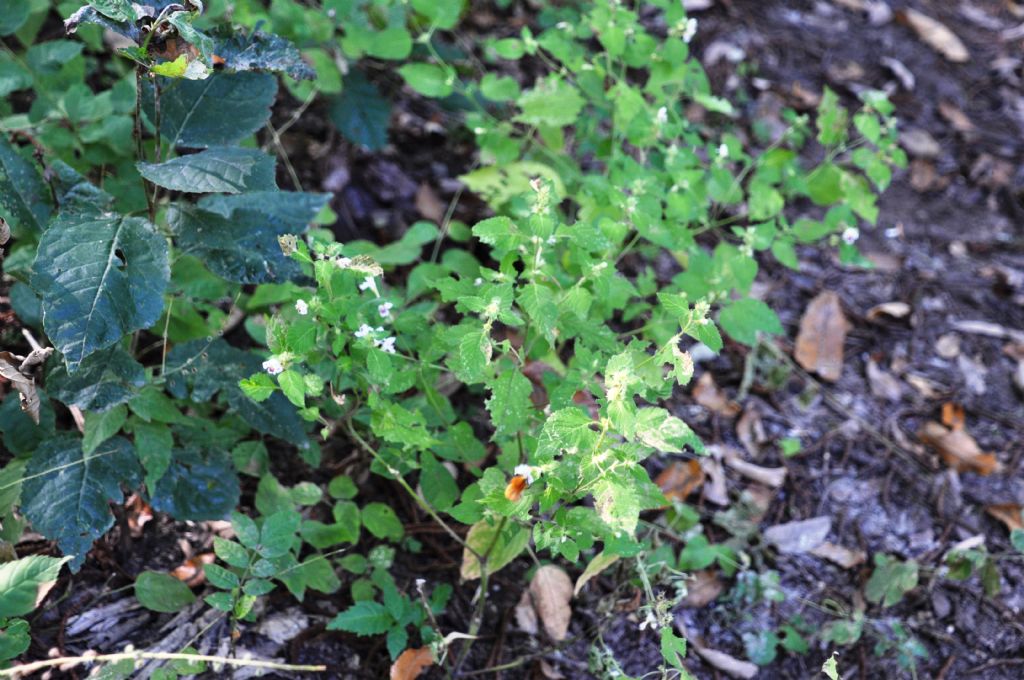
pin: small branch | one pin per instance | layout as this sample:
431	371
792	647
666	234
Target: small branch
71	661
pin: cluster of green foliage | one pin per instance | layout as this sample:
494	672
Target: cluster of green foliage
147	224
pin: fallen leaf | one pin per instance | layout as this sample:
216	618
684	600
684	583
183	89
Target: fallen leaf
844	557
551	591
953	416
411	663
139	513
900	70
750	430
600	562
823	329
793	538
709	395
773	477
882	383
26	386
958	449
1007	513
191	570
920	143
702	588
948	345
925	387
549	671
936	35
955	117
729	665
680	479
895	309
429	205
526	616
714	490
987	328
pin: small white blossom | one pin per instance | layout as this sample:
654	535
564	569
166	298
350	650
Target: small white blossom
526	472
420	582
649	621
273	366
385	310
478	281
368	284
551	240
386	345
850	235
662	116
690	30
363	331
723	150
301	307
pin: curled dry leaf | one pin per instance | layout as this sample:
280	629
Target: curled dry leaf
411	663
770	477
729	665
823	329
708	394
139	513
750	430
680	479
799	537
1007	513
702	588
844	557
958	449
428	204
551	591
600	562
26	386
715	490
526	616
895	310
936	35
191	570
882	383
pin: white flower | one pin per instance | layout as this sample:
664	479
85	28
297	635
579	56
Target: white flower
368	284
363	331
662	116
387	344
385	310
723	150
420	582
273	366
650	621
301	307
850	235
478	281
551	240
690	30
526	472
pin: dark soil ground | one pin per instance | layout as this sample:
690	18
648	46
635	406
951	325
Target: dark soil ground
949	243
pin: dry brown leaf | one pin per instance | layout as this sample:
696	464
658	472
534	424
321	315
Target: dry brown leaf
526	616
844	557
958	449
708	394
936	35
702	588
550	591
714	488
882	383
955	117
428	204
823	329
770	477
800	536
895	309
600	562
191	570
139	513
953	416
26	386
1007	513
925	387
680	479
411	663
920	144
750	430
731	666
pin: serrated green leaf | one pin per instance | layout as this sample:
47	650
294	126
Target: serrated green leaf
162	592
363	618
66	494
197	486
154	442
616	502
103	380
658	428
230	552
278	533
218	169
99	278
509	403
360	113
259	387
24	197
552	102
245	529
439	487
744	319
24	583
99	427
890	580
220	577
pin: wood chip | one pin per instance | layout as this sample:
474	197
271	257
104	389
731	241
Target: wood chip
680	479
936	35
823	329
958	449
844	557
714	488
750	430
708	394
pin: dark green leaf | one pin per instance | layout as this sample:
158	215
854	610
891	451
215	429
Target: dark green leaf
66	494
197	486
259	51
217	169
381	521
99	278
21	434
154	442
360	113
24	197
744	319
104	380
509	404
363	618
13	14
162	592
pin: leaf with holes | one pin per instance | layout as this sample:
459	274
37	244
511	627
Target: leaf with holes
221	169
66	494
99	277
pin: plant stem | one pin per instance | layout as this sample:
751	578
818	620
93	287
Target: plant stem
27	668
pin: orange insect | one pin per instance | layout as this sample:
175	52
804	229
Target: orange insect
515	488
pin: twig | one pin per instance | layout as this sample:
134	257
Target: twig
71	661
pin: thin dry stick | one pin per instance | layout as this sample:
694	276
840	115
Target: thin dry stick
71	661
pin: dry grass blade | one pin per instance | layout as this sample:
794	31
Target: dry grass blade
823	329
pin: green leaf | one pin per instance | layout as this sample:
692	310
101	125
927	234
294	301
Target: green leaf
499	545
616	501
25	582
342	486
407	249
473	356
499	88
363	618
224	169
443	15
162	592
13	14
824	184
118	10
99	278
439	487
197	486
24	197
830	668
509	404
259	387
14	638
154	442
278	533
1017	540
744	319
658	428
552	102
104	380
230	552
100	427
66	494
428	79
381	521
360	113
219	111
540	305
245	529
890	580
392	43
260	51
293	386
673	649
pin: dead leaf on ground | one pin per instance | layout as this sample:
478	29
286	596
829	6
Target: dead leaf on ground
924	177
1007	513
958	449
800	536
708	394
955	117
702	588
680	479
731	666
928	389
715	490
953	416
191	570
844	557
883	384
772	477
600	562
988	329
550	592
750	430
10	368
139	513
894	309
920	144
936	35
823	329
411	663
526	615
428	204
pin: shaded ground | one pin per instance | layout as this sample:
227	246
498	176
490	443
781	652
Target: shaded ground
949	244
